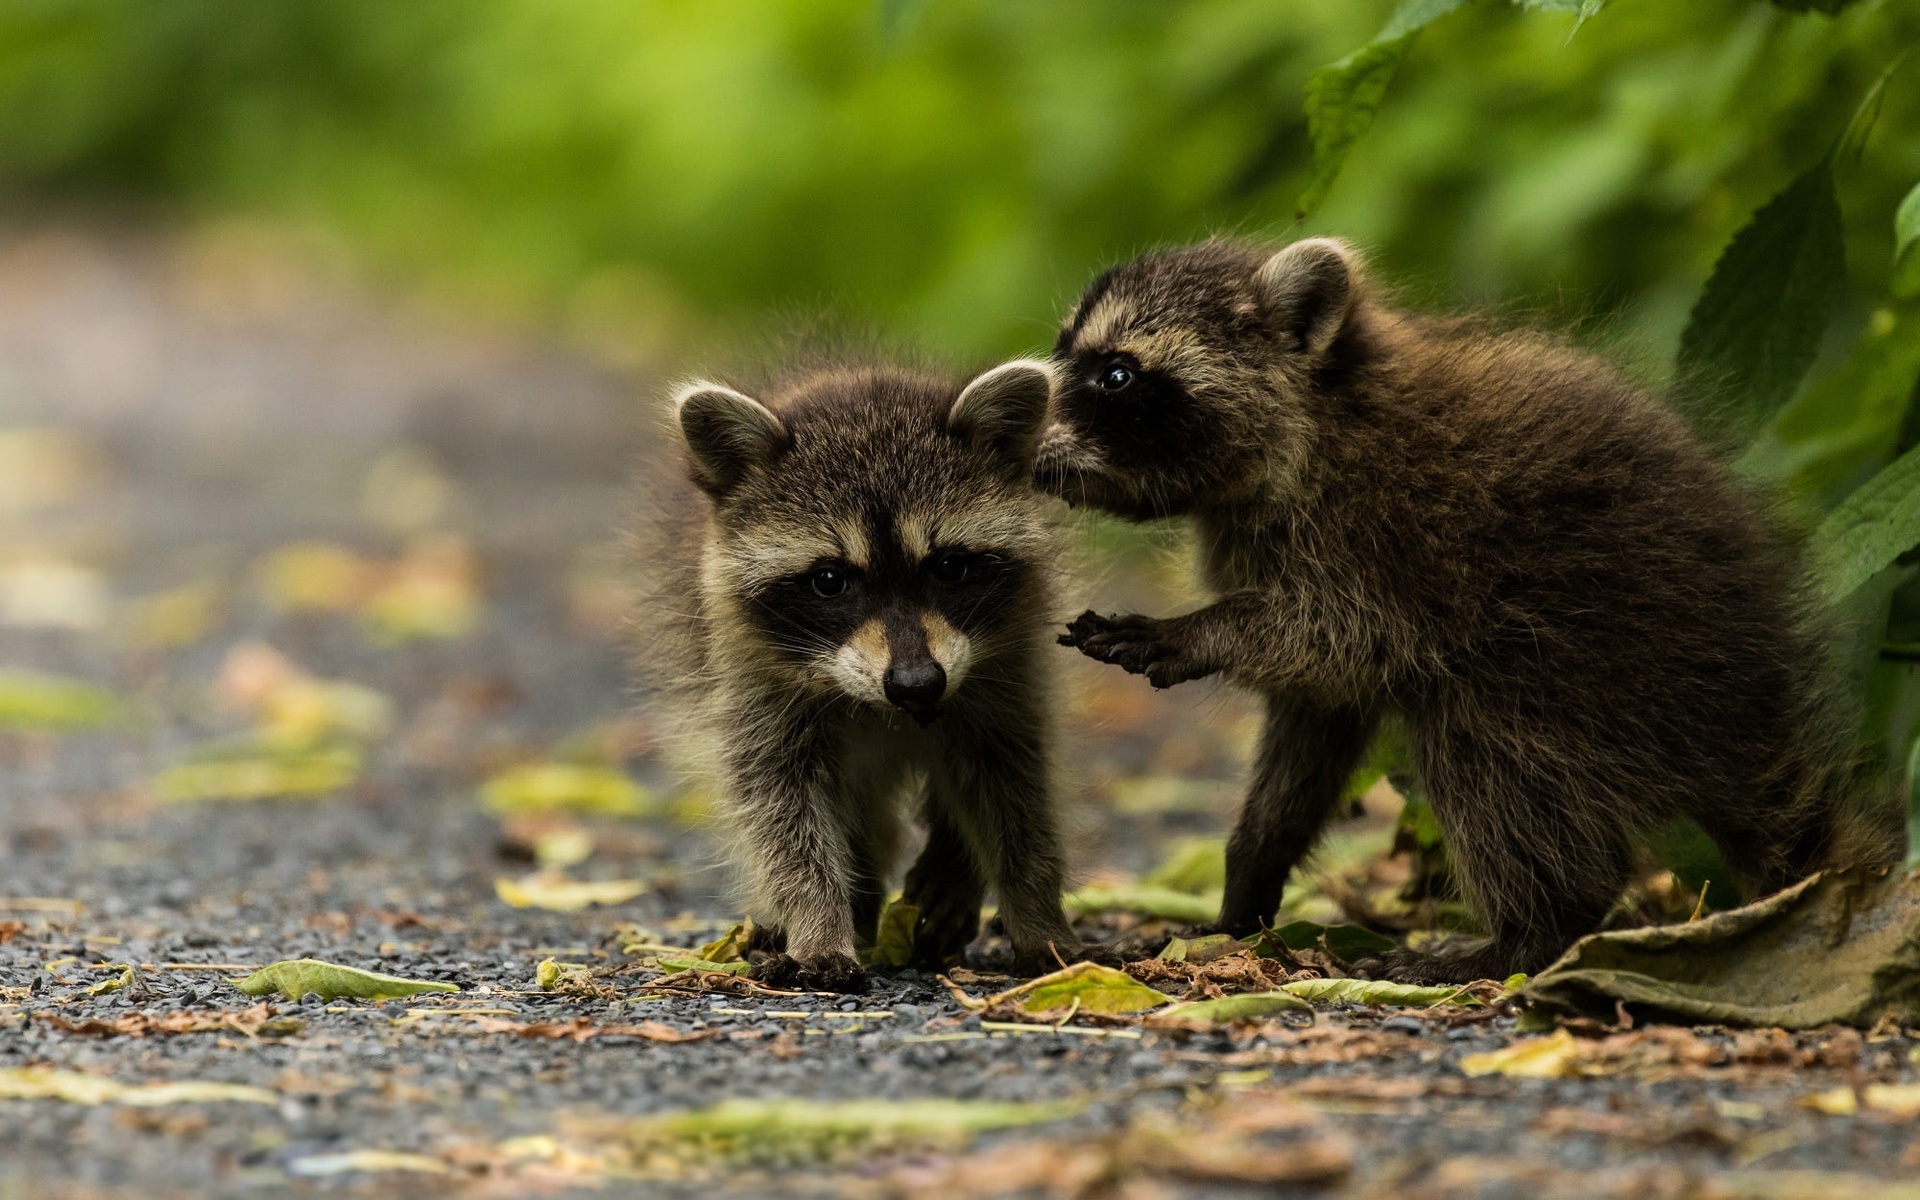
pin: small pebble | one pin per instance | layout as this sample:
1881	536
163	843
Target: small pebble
1402	1025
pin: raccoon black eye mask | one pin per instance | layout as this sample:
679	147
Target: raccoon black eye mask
850	599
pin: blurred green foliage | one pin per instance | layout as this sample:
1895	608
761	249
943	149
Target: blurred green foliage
952	171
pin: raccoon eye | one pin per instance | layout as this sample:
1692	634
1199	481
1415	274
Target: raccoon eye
828	582
952	567
1114	377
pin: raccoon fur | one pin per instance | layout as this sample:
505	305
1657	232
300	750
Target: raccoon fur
846	605
1587	626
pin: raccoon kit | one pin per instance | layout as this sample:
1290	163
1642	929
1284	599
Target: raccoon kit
847	610
1586	625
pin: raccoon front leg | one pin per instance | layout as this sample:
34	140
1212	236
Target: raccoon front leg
996	792
946	887
1306	755
804	868
1152	646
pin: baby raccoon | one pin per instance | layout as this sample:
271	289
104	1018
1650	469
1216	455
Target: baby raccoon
1585	624
845	609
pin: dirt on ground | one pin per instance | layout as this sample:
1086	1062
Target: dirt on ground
299	537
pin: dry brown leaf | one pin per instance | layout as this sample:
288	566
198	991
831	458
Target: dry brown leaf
581	1029
255	1021
10	930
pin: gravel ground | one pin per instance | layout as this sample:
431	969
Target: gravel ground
221	403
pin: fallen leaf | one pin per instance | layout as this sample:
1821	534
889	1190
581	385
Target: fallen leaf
38	593
1378	991
1534	1058
256	1021
1835	1102
1081	987
365	1161
48	1083
1346	942
294	710
431	593
674	964
405	491
315	576
113	983
730	946
798	1132
45	468
557	893
1246	1006
893	944
31	700
581	1029
1836	948
294	978
259	774
1196	866
542	787
1156	902
1900	1099
177	617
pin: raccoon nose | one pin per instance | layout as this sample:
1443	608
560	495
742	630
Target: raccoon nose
915	687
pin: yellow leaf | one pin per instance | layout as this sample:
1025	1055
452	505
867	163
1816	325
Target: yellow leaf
432	593
893	944
30	700
560	848
542	787
260	775
1377	991
1090	987
178	617
47	1083
294	978
1900	1099
315	576
789	1132
113	983
1835	1102
1534	1058
560	894
1243	1007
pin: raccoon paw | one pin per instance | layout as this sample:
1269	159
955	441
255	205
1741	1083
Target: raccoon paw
1139	645
1468	966
1046	961
948	924
826	973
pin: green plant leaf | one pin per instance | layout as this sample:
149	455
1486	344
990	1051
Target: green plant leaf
1196	866
572	787
893	943
1343	97
1906	246
1830	7
294	978
1346	942
673	964
797	1132
1377	991
48	1083
1759	321
31	700
1585	8
1243	1007
1089	986
730	946
259	773
1163	903
1874	526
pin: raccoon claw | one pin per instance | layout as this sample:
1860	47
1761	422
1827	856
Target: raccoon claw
827	973
1139	645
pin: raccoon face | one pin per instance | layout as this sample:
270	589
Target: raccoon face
1178	374
874	534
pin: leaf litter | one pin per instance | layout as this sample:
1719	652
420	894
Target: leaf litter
295	978
74	1087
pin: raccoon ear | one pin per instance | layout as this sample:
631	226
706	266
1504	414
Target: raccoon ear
1308	289
727	434
1006	407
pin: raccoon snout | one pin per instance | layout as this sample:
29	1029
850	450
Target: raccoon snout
915	688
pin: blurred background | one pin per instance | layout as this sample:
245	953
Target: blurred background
648	176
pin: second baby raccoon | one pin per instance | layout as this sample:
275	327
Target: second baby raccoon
1585	622
846	606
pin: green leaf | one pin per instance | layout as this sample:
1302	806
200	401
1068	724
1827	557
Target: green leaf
1377	991
259	774
1090	987
1758	323
1906	246
1871	528
1346	942
1243	1007
730	946
893	942
31	700
113	983
1830	7
573	787
1162	903
673	964
48	1083
1343	97
1586	8
294	978
1196	866
1913	806
797	1132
